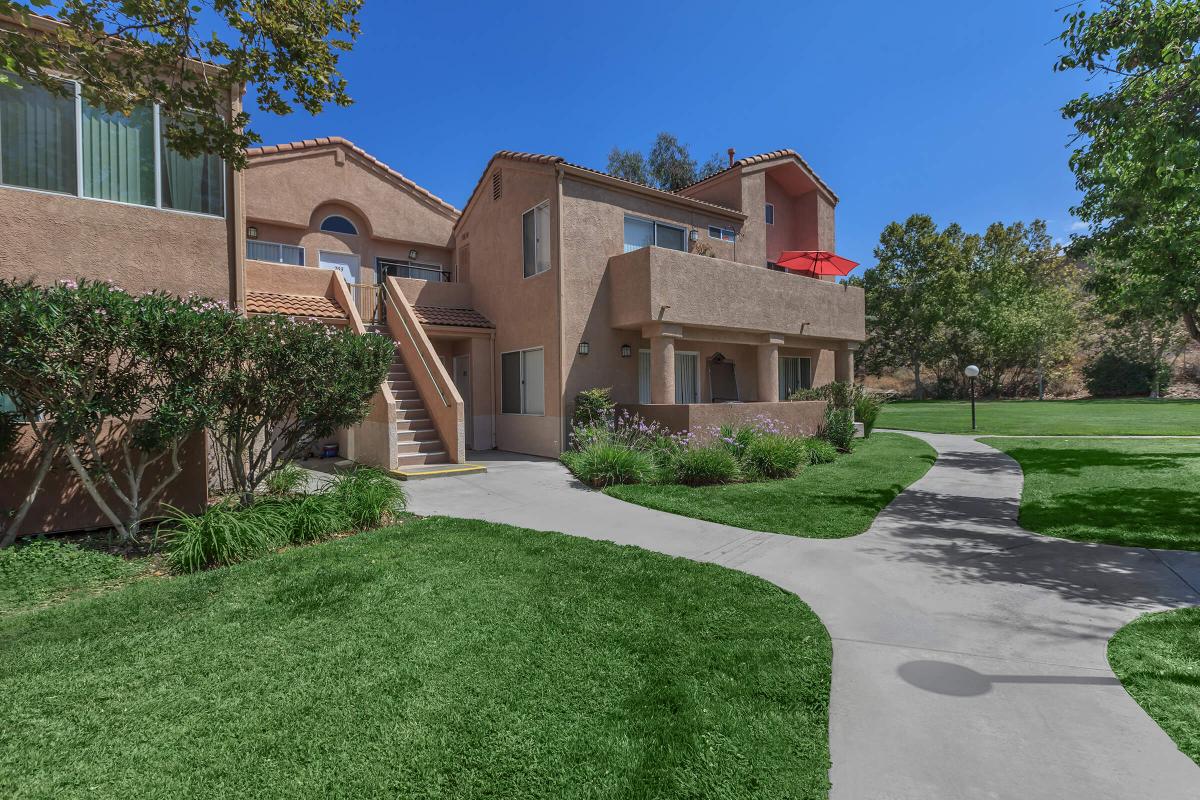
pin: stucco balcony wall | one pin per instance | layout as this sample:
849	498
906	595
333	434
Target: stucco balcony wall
799	418
655	285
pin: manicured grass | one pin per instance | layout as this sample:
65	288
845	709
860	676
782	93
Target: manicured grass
440	659
826	501
1048	417
1133	492
1157	658
41	572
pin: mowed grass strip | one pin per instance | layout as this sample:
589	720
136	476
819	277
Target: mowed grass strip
443	658
1157	658
1133	417
1131	492
825	501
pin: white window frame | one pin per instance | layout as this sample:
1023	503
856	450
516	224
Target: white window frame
538	266
722	234
769	213
656	225
328	217
524	412
280	245
158	206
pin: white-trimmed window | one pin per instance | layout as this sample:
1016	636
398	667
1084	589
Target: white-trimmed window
770	214
724	234
794	373
641	233
523	382
336	223
275	252
535	238
63	144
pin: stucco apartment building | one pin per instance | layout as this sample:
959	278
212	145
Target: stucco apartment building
557	278
554	278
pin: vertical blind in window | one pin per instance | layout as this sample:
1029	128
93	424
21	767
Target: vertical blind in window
118	155
275	252
522	382
687	378
641	233
536	240
794	373
192	184
37	139
643	376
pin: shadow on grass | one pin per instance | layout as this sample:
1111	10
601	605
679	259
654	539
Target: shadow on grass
1072	461
1132	517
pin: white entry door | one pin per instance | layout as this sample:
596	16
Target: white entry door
687	378
345	263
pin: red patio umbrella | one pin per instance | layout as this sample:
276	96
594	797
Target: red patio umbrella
815	262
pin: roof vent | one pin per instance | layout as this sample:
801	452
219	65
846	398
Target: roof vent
730	151
497	185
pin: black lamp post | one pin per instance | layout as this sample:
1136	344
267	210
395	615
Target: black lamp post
971	372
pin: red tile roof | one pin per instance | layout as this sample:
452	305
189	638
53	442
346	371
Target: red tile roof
293	305
327	141
771	156
459	317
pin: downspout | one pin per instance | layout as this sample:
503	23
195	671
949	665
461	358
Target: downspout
562	351
495	410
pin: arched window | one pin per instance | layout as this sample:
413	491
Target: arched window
338	224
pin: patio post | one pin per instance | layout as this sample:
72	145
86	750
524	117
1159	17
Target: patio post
662	368
843	366
768	369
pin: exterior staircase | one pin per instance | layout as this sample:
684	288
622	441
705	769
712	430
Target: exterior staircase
417	442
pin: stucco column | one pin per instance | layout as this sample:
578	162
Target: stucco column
768	370
662	369
843	366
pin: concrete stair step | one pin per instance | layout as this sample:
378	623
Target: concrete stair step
410	404
438	457
412	415
425	434
412	448
405	394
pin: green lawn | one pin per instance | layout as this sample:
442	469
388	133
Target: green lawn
41	572
1133	492
1048	417
1157	658
439	659
826	501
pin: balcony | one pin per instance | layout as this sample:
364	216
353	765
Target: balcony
655	285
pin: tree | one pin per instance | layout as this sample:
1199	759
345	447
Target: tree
1138	160
285	385
669	165
128	54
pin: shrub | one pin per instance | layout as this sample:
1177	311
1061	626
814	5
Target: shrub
1112	374
367	497
288	479
312	517
773	456
838	429
595	408
702	466
224	534
605	464
867	406
820	451
736	440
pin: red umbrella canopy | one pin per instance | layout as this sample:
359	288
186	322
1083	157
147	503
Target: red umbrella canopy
815	262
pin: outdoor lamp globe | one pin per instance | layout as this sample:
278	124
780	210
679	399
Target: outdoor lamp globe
971	371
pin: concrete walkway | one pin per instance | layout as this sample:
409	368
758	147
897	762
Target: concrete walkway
969	655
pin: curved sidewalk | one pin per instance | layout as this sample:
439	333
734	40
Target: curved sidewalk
969	655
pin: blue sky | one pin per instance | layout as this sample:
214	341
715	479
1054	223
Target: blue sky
946	108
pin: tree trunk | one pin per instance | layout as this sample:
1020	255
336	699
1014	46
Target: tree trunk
8	534
918	389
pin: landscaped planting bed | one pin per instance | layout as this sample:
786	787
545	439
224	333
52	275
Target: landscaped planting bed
439	659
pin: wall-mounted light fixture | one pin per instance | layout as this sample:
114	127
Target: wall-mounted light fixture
694	236
626	351
412	254
252	232
584	348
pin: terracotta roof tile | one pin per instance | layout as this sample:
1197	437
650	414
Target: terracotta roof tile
293	305
460	317
771	156
327	141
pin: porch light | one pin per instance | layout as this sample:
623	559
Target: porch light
252	232
584	348
626	351
412	254
694	235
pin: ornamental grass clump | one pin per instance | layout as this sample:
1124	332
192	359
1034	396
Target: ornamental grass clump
819	451
704	466
601	465
224	534
367	498
774	456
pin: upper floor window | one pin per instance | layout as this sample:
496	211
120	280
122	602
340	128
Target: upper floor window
535	238
770	214
724	234
411	269
645	233
275	252
59	143
335	223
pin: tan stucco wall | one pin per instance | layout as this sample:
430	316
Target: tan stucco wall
524	310
48	237
803	418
